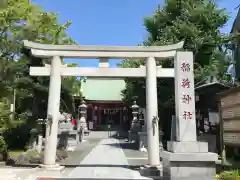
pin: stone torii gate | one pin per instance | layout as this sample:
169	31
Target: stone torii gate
184	90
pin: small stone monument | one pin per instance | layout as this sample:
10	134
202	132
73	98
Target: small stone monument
66	133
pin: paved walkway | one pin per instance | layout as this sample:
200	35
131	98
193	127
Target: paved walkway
11	174
106	160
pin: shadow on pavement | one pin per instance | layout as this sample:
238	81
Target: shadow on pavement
85	179
23	165
120	135
125	145
132	167
70	178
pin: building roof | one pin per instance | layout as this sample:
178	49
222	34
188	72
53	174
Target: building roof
214	87
228	92
103	89
236	24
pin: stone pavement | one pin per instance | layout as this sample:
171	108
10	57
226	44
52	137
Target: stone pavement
23	173
134	157
106	160
12	173
79	153
95	158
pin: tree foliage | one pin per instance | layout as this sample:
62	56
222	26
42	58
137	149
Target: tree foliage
21	20
198	24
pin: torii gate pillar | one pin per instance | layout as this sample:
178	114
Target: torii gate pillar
53	114
152	111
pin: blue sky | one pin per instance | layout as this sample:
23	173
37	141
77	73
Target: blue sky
112	22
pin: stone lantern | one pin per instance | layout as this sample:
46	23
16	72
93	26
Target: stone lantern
82	109
135	126
82	124
135	109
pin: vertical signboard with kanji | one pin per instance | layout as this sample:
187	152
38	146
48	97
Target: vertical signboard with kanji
185	97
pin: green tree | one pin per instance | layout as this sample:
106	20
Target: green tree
72	85
21	20
197	23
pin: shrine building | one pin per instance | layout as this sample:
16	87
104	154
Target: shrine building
104	101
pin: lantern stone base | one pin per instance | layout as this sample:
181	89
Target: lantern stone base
188	160
154	172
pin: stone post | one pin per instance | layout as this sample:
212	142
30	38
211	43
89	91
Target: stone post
143	133
40	143
33	140
152	113
186	158
53	114
185	98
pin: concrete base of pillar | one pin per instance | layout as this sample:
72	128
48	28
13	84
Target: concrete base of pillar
154	172
187	161
55	167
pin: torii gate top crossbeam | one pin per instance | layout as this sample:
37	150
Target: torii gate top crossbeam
117	52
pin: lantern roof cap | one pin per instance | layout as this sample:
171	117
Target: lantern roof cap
82	105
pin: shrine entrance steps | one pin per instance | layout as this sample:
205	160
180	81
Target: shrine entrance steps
101	135
118	133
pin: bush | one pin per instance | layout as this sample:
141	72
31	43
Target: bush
3	149
33	157
16	138
229	175
11	161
